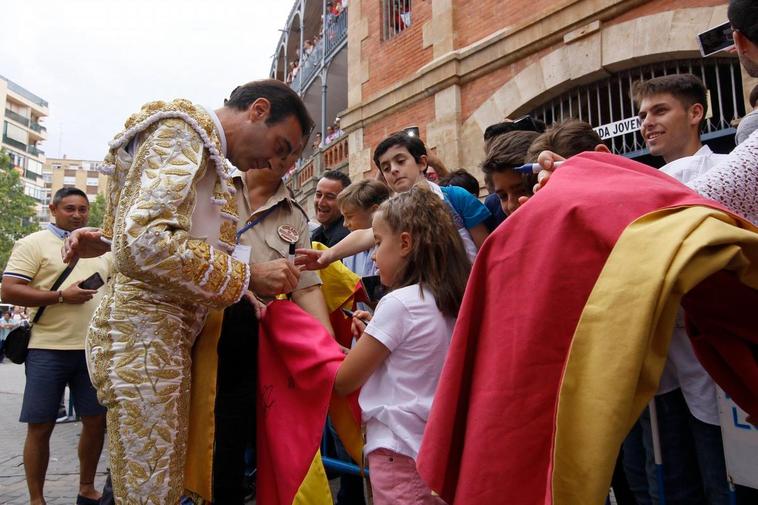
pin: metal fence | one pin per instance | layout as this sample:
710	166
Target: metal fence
396	16
608	106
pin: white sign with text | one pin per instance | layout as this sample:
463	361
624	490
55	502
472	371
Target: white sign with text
611	130
740	443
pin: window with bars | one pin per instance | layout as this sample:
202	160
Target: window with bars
396	17
607	104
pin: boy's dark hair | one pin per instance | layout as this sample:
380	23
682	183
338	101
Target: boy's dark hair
686	88
506	151
284	102
65	192
754	96
743	15
566	138
414	145
463	179
336	175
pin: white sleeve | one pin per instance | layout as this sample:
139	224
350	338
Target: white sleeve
389	323
734	181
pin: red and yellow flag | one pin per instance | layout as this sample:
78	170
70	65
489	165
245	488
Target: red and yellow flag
298	364
564	330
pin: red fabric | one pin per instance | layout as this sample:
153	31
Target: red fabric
723	340
298	362
489	436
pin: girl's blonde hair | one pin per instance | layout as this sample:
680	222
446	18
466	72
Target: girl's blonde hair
363	194
437	260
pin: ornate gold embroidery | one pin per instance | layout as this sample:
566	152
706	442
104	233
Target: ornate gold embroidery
140	338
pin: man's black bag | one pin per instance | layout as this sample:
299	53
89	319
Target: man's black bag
17	341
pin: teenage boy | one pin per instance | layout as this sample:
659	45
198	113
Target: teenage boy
672	109
402	162
504	153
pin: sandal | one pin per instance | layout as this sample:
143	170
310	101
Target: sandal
83	500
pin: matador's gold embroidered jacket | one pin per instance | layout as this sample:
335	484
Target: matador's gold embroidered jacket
172	219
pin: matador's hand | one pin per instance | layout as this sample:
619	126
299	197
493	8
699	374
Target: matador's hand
275	277
84	243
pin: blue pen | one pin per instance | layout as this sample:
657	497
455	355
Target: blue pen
533	168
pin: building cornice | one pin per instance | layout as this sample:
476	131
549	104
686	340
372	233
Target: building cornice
504	47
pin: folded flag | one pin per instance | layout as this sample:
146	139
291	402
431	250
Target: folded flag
298	364
564	329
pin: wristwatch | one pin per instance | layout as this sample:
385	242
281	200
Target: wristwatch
60	296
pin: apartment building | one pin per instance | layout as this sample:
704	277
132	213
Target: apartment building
22	134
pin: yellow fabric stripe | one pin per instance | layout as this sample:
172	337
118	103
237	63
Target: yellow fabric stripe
347	429
615	361
198	472
315	487
338	282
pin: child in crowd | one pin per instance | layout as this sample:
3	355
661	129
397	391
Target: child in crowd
402	161
398	360
357	203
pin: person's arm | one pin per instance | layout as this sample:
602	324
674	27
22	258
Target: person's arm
363	359
479	234
84	243
18	292
355	242
472	211
23	265
153	244
734	181
312	301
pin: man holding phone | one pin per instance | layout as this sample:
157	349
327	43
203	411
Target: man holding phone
56	348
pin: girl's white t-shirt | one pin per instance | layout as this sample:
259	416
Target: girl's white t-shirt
397	398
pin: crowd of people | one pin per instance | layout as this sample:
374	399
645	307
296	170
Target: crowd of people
475	369
335	11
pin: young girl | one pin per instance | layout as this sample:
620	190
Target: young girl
398	359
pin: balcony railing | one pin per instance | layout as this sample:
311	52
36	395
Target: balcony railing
13	142
17	117
311	64
335	154
25	93
331	157
335	32
34	151
37	127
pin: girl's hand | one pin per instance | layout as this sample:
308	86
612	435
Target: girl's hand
546	160
259	306
312	259
360	318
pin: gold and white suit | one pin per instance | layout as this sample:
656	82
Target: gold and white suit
172	220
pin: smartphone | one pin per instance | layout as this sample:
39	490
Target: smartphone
373	287
94	281
716	39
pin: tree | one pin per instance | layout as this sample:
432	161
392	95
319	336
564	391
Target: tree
18	217
96	210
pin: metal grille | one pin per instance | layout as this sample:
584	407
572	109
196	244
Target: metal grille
396	17
608	103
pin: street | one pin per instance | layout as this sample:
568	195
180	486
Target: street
62	481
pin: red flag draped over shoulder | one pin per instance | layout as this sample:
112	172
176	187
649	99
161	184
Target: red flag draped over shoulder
564	329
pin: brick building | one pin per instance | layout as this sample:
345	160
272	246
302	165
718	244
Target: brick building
453	67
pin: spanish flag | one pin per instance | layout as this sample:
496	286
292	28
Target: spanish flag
565	325
298	364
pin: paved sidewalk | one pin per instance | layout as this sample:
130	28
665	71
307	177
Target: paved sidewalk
62	481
